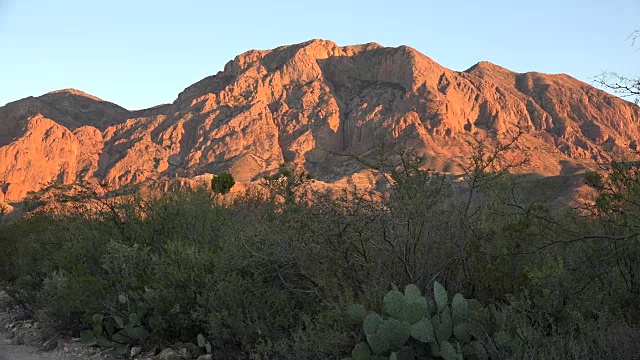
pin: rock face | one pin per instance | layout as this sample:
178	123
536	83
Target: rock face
306	104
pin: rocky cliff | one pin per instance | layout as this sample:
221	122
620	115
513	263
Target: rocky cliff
306	104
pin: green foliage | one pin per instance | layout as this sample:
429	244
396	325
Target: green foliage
440	296
422	330
222	184
371	323
433	331
357	312
361	352
394	302
125	325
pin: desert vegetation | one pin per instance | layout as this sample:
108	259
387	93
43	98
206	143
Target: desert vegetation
436	266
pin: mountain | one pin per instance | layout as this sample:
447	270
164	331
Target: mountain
306	104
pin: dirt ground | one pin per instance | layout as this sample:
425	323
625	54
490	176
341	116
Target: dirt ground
9	351
20	339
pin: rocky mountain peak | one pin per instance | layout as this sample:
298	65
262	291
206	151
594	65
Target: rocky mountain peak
307	105
72	91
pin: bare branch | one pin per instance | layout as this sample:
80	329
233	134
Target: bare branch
623	86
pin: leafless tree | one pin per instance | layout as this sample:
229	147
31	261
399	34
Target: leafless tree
624	86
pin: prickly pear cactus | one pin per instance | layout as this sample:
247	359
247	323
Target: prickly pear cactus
371	323
440	296
413	324
357	313
423	331
394	302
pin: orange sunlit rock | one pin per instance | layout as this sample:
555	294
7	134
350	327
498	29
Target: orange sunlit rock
306	104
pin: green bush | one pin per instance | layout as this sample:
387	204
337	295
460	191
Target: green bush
222	184
438	327
259	277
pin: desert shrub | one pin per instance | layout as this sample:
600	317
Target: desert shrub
128	266
602	342
184	274
8	272
222	184
269	274
27	254
66	298
264	289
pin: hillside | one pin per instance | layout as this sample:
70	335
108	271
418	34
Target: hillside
306	104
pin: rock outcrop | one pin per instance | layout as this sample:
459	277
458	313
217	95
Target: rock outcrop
307	104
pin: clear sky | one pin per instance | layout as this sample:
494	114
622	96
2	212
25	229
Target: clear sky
140	53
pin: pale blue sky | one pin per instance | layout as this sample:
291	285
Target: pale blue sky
140	53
